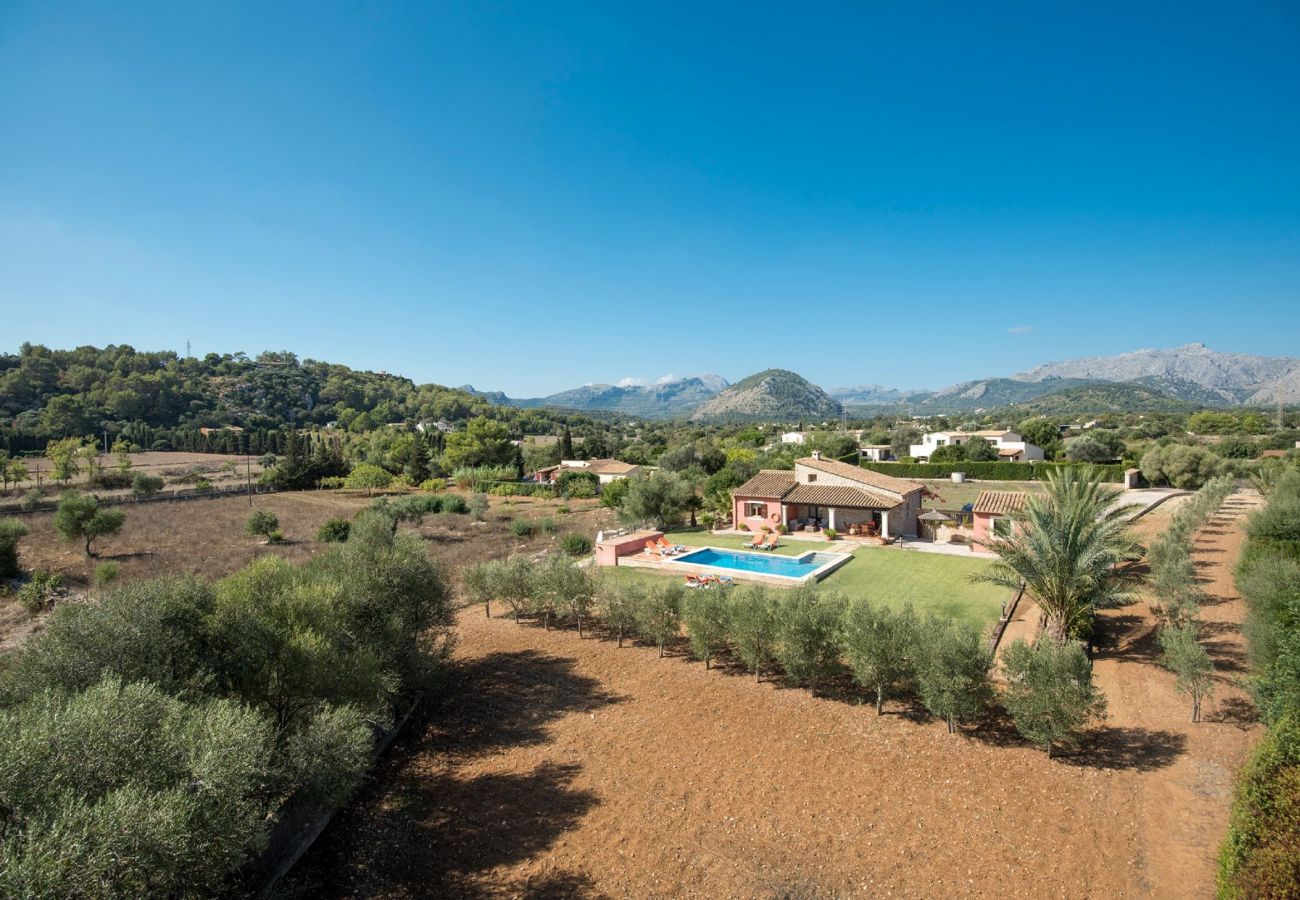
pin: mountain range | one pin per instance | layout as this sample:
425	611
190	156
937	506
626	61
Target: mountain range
1169	380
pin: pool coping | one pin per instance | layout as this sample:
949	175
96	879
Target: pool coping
813	577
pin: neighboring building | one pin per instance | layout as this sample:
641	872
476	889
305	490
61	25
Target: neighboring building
605	470
233	429
993	514
1273	454
875	452
794	437
823	493
440	425
1010	446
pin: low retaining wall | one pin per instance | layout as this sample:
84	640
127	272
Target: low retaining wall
609	550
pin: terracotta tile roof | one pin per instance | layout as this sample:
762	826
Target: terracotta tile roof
1000	502
770	484
866	477
839	495
610	467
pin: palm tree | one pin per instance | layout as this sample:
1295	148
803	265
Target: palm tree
1067	552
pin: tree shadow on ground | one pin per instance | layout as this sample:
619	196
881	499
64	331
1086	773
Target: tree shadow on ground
424	829
1236	711
1139	749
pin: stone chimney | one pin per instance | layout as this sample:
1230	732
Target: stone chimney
817	454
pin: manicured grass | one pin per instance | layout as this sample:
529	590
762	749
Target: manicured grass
931	582
955	496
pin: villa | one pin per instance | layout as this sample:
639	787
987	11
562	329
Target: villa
1010	446
823	493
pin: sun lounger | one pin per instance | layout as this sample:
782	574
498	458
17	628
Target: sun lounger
773	542
756	541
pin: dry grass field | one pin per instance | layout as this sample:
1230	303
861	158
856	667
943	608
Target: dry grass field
206	537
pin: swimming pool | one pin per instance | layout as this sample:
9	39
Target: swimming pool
812	565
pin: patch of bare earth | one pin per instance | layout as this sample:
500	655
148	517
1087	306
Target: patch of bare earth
1182	807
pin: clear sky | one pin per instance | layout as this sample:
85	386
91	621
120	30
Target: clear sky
532	196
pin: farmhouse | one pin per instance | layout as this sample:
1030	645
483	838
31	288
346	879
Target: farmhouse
822	493
605	470
993	512
1011	447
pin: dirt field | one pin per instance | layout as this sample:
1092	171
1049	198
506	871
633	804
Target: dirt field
206	536
565	767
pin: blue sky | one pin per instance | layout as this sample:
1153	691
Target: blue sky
529	197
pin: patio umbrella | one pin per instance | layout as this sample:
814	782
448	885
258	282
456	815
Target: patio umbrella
935	517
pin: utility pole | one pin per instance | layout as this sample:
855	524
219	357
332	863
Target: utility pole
248	472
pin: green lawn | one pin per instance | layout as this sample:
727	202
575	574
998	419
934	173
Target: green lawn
931	582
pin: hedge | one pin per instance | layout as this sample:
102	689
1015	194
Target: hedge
988	471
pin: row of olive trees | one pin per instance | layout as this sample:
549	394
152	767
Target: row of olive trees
1176	594
148	742
812	638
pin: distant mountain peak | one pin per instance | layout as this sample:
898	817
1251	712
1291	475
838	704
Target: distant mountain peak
776	395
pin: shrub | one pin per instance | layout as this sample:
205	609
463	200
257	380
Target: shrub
202	486
561	510
262	523
40	590
522	527
452	503
1184	655
478	507
334	531
332	482
1261	855
433	485
546	525
830	534
11	532
575	544
106	573
124	791
1181	465
143	485
30	499
80	517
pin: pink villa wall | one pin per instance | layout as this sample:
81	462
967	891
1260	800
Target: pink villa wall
982	527
753	523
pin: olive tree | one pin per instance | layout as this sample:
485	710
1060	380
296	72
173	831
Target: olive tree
1185	656
806	626
80	518
659	615
262	523
705	615
617	605
1050	694
878	644
752	627
953	671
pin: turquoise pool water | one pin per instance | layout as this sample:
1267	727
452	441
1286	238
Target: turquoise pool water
761	563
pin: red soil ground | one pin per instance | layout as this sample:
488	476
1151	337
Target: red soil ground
563	767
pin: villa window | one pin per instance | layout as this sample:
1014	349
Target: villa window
811	477
755	509
940	442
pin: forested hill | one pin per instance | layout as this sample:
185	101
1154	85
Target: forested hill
48	393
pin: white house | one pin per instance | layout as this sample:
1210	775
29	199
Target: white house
793	437
1010	446
874	452
605	470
